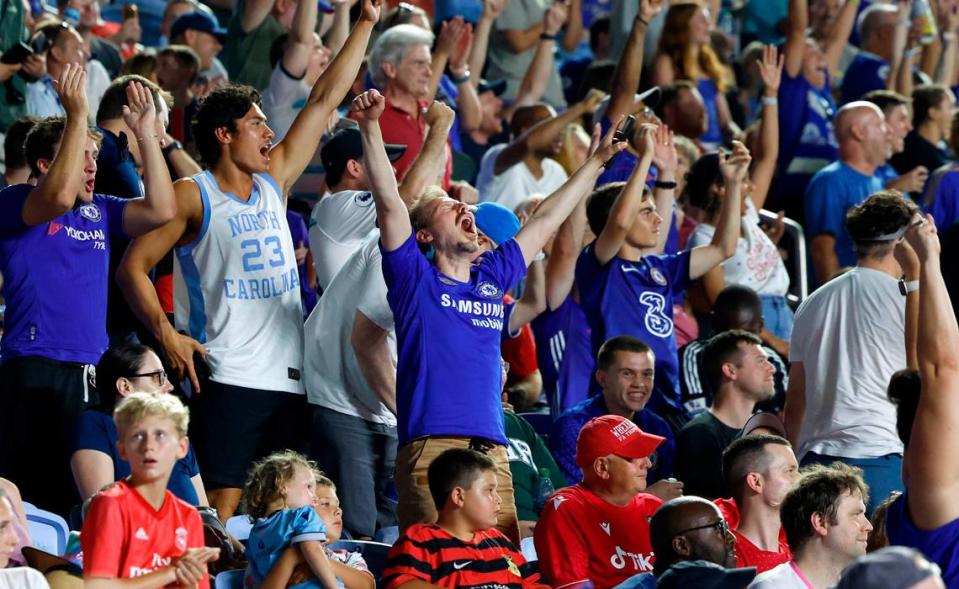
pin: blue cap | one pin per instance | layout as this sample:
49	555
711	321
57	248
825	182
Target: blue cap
496	222
198	21
325	6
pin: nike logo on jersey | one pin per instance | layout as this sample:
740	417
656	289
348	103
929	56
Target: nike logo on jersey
141	534
631	269
461	565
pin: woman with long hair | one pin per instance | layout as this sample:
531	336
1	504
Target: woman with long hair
685	53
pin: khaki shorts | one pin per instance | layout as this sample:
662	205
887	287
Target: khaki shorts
412	486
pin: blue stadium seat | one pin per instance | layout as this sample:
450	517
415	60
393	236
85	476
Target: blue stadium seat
239	526
229	579
48	531
541	422
374	553
387	535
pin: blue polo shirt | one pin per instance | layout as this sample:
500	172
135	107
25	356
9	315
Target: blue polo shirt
55	278
448	377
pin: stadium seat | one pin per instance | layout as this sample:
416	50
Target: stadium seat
387	535
229	579
48	531
374	553
541	422
239	526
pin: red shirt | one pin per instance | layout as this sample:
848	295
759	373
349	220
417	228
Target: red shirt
520	352
124	536
580	537
747	553
399	127
427	552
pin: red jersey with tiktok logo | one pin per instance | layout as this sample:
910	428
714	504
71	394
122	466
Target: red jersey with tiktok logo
747	553
580	537
125	537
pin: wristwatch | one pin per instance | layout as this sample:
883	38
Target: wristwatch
908	287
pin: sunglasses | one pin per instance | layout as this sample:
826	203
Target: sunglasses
720	525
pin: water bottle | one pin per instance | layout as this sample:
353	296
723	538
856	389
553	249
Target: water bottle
922	12
545	489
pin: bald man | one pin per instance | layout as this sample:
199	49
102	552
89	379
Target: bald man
863	148
690	528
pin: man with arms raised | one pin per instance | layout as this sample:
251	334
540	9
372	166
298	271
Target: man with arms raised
237	288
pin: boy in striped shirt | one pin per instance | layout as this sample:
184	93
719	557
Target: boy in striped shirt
463	548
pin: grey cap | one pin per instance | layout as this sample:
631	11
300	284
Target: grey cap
893	567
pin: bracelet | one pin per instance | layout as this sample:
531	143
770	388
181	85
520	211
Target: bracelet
665	185
176	145
547	37
154	136
770	101
460	79
640	19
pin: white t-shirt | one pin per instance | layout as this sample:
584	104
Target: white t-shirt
339	225
850	337
22	578
516	184
784	576
756	263
332	374
283	99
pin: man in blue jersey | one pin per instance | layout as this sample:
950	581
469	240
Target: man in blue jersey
926	516
626	289
449	316
55	241
237	286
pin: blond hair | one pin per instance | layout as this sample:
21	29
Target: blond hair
267	477
136	407
420	212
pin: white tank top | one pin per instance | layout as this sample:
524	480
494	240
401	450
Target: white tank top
237	289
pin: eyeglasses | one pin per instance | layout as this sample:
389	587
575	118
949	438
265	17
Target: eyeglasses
159	376
720	525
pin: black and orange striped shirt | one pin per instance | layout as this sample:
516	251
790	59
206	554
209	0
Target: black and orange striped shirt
427	552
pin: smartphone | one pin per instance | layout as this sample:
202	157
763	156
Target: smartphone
625	133
16	54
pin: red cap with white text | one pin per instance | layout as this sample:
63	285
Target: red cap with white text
612	434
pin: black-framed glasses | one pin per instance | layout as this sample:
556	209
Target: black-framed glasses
159	376
722	526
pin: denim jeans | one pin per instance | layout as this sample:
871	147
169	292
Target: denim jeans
883	475
777	316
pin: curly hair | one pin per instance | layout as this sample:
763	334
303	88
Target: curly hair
267	477
221	109
884	212
675	43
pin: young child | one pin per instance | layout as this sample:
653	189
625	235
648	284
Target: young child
463	548
349	567
138	529
279	497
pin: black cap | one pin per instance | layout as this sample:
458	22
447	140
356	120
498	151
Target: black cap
705	575
346	145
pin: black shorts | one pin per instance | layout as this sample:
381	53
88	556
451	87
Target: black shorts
232	426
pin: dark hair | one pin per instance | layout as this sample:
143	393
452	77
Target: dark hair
115	97
670	94
14	148
722	348
925	97
141	64
277	48
43	139
598	75
117	362
701	180
221	109
886	99
185	57
600	26
601	203
904	389
734	306
525	117
746	455
818	490
456	467
884	212
620	343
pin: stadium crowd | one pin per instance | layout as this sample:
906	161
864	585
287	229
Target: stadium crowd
479	293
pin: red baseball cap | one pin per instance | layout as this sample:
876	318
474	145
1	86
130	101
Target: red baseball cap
612	434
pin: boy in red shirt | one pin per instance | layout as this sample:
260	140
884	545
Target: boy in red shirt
463	548
596	533
137	534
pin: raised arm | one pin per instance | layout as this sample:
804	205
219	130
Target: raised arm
477	59
544	133
391	212
770	70
467	100
57	191
949	27
628	203
521	40
666	161
795	47
734	165
536	79
299	45
159	203
902	55
838	37
626	76
254	13
574	26
553	211
932	456
451	33
291	156
340	29
533	301
429	163
909	263
370	344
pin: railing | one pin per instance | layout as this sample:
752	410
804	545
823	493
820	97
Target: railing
796	265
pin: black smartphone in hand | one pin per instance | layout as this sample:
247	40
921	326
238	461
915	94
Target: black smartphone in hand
16	54
625	133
